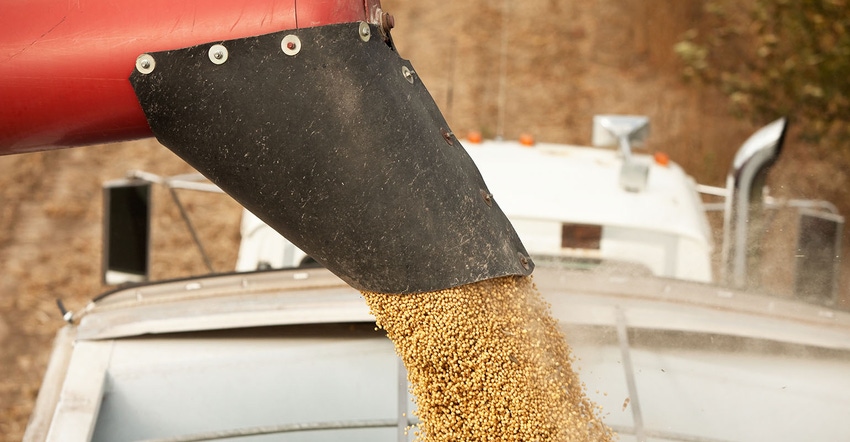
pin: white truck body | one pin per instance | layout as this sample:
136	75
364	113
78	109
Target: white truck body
264	354
543	187
293	354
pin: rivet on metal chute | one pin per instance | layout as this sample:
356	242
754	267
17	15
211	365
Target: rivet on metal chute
291	44
487	197
364	31
408	74
448	136
524	260
218	54
145	64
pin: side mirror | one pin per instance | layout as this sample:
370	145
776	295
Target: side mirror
126	231
614	130
624	131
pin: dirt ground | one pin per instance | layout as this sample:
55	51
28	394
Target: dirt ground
566	61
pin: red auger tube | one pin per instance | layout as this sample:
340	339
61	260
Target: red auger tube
65	64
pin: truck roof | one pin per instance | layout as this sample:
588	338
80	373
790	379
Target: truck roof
574	184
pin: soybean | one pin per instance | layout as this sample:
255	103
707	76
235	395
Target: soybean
487	361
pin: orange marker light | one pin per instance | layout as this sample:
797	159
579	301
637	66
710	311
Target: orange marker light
474	137
662	159
526	140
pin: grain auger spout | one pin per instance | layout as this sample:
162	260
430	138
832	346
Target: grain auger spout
330	137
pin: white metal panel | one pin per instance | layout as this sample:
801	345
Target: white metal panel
173	385
51	388
556	183
79	402
225	301
721	396
263	246
194	381
580	184
744	395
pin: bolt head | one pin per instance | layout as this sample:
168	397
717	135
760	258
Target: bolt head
388	21
524	261
217	54
487	197
291	45
407	73
447	136
145	64
364	31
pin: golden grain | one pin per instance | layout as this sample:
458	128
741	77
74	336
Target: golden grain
486	361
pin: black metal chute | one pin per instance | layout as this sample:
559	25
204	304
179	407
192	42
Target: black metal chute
330	137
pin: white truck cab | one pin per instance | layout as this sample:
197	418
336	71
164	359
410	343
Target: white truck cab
569	203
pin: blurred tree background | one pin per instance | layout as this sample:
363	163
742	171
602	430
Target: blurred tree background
778	58
791	58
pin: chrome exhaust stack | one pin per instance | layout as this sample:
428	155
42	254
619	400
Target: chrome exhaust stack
745	200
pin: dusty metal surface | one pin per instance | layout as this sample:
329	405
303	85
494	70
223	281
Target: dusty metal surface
706	364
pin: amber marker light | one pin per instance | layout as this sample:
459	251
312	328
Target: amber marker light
526	140
662	159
